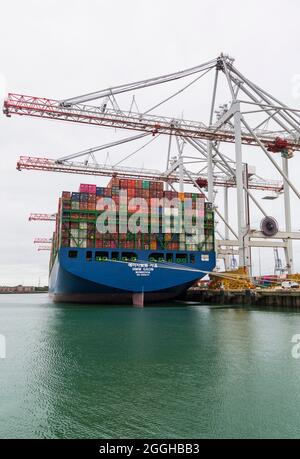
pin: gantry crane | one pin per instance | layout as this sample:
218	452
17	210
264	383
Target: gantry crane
18	104
44	248
234	124
278	268
42	217
69	167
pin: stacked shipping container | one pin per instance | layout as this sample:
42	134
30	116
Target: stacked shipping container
77	215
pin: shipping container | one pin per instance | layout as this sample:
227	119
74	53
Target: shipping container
78	213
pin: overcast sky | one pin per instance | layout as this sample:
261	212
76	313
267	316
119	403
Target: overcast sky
64	48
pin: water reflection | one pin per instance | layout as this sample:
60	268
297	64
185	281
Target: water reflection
187	372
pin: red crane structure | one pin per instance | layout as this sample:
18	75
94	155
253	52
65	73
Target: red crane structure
52	165
44	248
42	217
253	117
19	104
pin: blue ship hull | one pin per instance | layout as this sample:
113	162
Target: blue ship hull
82	279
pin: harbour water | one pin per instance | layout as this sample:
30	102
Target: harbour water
172	371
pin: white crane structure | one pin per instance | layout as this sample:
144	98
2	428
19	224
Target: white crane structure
42	217
42	240
251	117
44	248
278	267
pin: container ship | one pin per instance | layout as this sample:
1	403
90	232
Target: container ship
119	266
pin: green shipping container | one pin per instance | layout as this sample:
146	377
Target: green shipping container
146	185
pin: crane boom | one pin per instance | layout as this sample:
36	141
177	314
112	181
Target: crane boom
44	247
42	217
17	104
51	165
139	84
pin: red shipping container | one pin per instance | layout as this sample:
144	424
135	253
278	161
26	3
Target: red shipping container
83	188
138	193
91	197
66	194
131	192
145	194
87	188
92	189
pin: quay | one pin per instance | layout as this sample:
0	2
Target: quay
250	297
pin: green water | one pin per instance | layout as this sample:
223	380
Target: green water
187	372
